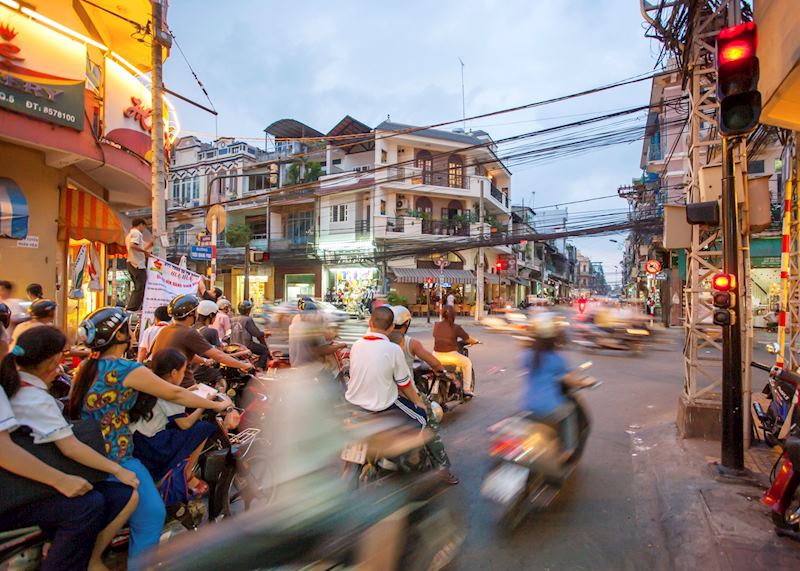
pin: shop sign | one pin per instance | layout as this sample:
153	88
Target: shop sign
128	110
28	242
41	71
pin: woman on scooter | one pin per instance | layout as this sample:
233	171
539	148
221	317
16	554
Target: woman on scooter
26	374
545	369
105	388
165	438
446	335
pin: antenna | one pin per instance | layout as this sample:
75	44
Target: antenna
463	99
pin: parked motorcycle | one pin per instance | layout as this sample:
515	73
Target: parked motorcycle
530	466
781	417
783	496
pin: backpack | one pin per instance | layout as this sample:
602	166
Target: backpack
239	333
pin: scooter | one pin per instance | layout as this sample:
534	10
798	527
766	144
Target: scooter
781	417
530	465
623	338
446	389
783	496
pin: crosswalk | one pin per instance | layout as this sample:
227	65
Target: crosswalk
352	330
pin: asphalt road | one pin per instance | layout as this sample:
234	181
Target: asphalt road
596	523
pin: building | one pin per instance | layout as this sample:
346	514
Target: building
74	141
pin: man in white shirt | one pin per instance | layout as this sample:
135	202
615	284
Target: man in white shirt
162	319
451	299
380	380
137	262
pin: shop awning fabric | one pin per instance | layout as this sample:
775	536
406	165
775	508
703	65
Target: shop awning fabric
13	210
83	216
419	275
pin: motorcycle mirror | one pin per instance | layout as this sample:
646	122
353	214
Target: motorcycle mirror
773	348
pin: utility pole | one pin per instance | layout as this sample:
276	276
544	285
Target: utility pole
732	415
480	268
160	38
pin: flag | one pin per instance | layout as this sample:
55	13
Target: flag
94	268
78	269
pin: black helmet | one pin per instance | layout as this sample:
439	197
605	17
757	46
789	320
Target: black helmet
245	307
5	315
42	308
99	328
183	306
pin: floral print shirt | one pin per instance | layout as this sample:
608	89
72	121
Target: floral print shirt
109	402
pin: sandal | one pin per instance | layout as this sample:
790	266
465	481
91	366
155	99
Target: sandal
197	487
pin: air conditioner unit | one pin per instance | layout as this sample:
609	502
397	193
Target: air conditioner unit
402	202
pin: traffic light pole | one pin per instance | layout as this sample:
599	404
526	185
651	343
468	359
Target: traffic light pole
732	453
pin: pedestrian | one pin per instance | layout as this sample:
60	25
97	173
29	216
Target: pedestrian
34	292
138	250
451	299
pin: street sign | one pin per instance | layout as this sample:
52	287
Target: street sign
661	276
202	253
652	266
204	239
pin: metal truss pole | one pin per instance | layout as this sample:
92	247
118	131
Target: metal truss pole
793	301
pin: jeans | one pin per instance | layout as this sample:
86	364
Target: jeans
147	521
139	279
73	524
261	351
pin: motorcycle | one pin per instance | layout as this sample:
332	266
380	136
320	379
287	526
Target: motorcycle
783	496
447	388
620	338
781	417
530	466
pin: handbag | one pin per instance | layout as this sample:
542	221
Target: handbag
17	491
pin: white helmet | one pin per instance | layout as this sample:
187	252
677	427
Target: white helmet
437	410
401	314
224	303
546	325
207	307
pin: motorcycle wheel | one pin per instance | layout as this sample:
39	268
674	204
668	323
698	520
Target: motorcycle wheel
520	506
249	486
790	519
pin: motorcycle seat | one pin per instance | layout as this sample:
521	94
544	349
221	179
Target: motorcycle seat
792	447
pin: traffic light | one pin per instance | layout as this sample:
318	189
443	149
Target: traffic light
258	257
429	282
737	79
723	299
501	265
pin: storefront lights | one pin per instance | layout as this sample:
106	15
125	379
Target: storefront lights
11	4
60	27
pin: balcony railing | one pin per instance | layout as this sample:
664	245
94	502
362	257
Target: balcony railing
499	195
362	229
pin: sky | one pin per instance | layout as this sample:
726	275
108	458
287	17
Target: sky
317	61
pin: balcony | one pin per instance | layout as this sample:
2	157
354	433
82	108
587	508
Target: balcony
362	229
282	243
413	227
500	197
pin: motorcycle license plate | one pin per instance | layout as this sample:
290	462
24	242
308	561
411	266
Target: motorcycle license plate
355	452
504	482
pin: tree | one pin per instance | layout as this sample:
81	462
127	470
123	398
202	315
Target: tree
238	235
302	171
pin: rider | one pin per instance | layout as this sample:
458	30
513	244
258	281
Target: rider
380	381
182	336
545	371
161	319
222	323
446	335
5	321
307	342
105	388
42	312
244	331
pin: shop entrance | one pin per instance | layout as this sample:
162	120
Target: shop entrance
299	285
352	289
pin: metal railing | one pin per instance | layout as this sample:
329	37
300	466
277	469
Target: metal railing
396	224
445	228
362	229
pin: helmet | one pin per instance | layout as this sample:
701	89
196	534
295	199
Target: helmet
401	314
546	325
42	308
224	303
310	306
5	315
99	328
437	410
183	306
245	306
207	307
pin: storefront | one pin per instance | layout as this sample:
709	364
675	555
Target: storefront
351	287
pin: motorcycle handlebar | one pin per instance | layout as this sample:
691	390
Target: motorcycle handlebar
760	366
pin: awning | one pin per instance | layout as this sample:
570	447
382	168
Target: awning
419	275
520	281
13	210
84	216
491	279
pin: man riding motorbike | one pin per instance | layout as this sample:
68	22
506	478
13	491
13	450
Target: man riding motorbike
446	335
307	342
182	336
379	376
244	331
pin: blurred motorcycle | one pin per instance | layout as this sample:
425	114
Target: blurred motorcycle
782	417
530	466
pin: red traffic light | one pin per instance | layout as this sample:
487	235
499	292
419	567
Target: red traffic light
737	79
735	51
723	282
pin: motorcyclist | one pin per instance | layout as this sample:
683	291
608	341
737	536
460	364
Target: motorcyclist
222	322
545	370
42	312
307	342
446	335
244	331
182	336
380	381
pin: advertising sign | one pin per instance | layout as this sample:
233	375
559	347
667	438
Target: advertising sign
41	71
165	280
129	110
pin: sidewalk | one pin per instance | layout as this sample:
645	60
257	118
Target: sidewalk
696	520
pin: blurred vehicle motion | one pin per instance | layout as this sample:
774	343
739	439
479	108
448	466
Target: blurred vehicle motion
318	516
530	465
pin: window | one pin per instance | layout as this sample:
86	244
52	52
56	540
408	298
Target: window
176	192
299	226
339	213
455	172
755	167
259	181
424	161
383	208
182	235
196	189
384	156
